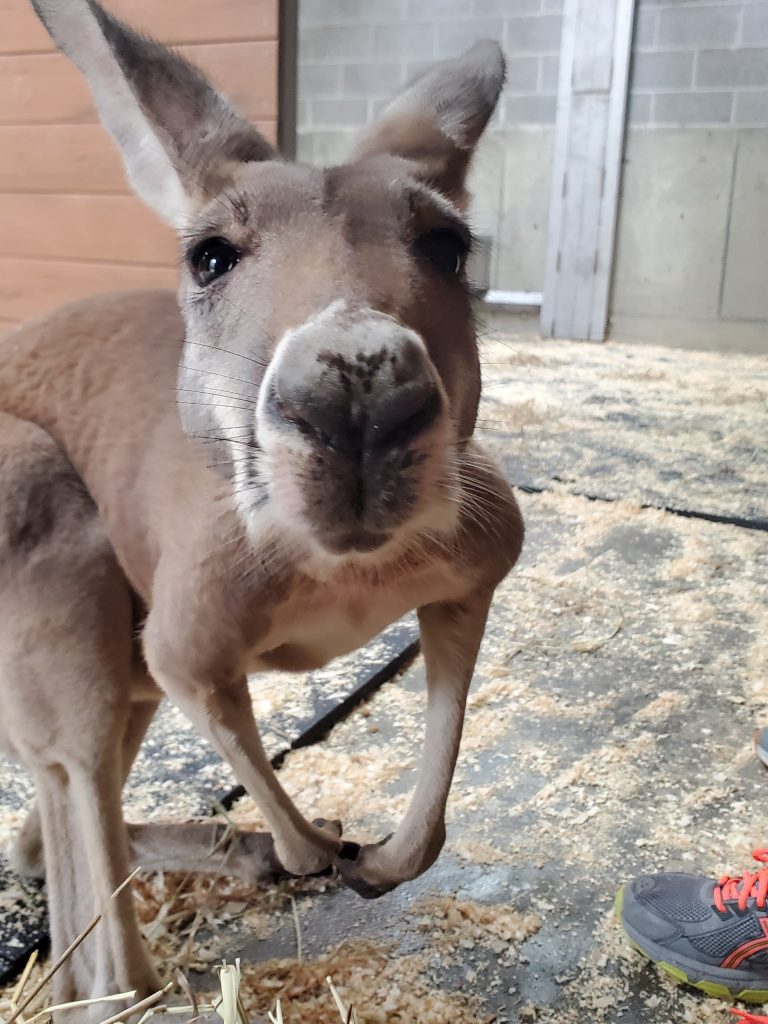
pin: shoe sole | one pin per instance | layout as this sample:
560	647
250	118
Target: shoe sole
688	971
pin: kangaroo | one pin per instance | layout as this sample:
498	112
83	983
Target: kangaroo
313	478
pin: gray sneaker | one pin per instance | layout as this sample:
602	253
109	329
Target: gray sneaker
760	744
712	935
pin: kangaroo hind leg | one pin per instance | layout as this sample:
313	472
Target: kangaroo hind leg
65	678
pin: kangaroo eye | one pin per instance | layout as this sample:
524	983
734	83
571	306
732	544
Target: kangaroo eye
212	259
445	250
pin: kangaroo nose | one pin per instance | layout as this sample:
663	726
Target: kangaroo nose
365	402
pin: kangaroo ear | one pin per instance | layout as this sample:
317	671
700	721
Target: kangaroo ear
179	138
437	122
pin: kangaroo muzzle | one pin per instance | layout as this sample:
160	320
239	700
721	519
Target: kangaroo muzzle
355	393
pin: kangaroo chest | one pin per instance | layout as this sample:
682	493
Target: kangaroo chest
332	619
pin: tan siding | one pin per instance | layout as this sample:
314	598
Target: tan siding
72	228
68	226
47	89
29	287
67	158
190	21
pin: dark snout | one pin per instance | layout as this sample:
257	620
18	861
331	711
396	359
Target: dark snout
361	404
362	396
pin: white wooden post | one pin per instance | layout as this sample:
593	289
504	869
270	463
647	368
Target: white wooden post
589	136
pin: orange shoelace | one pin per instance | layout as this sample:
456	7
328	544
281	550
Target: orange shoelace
750	885
749	1018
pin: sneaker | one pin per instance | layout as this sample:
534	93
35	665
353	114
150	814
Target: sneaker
712	935
760	744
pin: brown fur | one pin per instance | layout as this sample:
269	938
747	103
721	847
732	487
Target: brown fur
263	481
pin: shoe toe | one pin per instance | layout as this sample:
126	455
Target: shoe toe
760	741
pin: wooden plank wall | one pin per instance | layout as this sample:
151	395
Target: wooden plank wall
69	225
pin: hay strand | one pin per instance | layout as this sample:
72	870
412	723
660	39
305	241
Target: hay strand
143	1004
183	982
230	1007
277	1016
17	992
348	1016
80	1002
297	926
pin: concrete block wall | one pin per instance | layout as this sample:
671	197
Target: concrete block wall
691	262
700	62
354	55
693	214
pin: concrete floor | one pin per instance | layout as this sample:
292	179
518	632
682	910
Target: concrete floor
609	731
609	734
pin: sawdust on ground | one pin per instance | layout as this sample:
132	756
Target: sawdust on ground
607	734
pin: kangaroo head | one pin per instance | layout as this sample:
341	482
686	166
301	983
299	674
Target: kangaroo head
330	346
